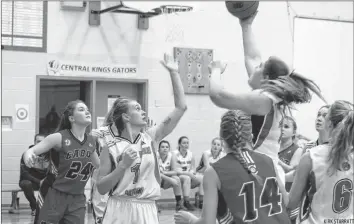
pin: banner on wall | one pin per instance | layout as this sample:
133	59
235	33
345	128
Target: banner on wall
22	112
58	68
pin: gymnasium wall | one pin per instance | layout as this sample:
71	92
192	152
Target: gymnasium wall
118	41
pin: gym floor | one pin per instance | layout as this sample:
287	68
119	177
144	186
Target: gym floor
24	217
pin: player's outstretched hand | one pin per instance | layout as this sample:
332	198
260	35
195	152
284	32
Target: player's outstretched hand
215	65
169	63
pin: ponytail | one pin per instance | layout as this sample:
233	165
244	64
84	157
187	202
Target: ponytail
69	111
289	86
236	130
343	141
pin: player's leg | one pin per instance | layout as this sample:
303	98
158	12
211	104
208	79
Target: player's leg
199	182
75	213
175	183
98	204
186	188
52	207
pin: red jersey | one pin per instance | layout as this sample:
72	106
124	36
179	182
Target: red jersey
242	199
71	165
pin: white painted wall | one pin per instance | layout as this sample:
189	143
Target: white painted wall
117	40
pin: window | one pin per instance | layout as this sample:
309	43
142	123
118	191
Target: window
24	25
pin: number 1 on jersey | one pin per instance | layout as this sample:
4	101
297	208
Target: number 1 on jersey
136	170
270	196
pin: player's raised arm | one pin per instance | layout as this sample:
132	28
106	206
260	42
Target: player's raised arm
251	52
170	122
254	102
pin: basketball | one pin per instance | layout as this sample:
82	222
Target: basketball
241	9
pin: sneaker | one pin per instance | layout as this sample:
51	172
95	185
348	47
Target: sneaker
189	206
179	207
33	213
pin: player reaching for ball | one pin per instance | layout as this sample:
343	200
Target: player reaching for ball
275	89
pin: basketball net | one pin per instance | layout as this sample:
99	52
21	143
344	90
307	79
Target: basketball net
174	32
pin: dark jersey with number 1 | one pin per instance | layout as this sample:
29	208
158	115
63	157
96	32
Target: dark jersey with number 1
242	199
71	165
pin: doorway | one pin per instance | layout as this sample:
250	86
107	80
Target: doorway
54	95
54	92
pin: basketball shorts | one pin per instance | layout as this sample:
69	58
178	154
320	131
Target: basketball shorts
59	207
98	204
121	210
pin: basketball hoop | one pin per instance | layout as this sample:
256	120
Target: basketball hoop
169	9
174	30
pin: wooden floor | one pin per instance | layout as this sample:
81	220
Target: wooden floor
24	217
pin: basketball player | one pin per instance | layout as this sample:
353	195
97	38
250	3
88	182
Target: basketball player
325	173
241	187
275	89
183	162
208	157
129	166
99	201
169	177
320	128
61	196
290	154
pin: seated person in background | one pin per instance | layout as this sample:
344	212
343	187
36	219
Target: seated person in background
208	157
183	162
30	178
169	177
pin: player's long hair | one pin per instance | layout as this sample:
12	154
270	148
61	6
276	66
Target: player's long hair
114	116
289	86
341	116
69	111
236	131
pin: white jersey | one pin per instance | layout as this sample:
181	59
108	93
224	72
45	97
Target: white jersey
328	197
142	179
268	136
165	165
210	158
185	162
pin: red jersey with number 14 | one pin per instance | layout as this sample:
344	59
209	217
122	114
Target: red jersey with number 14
71	165
242	199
